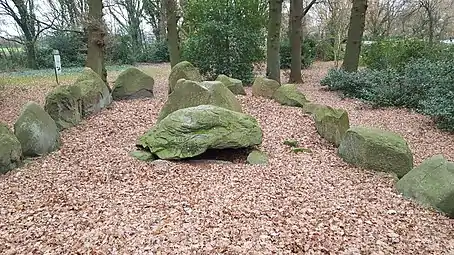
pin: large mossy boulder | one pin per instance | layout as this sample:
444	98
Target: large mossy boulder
95	94
264	87
234	85
64	105
183	70
10	149
132	83
189	132
288	94
36	131
376	149
431	183
190	93
331	124
311	108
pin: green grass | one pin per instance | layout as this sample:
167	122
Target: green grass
46	77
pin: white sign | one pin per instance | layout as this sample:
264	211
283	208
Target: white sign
57	64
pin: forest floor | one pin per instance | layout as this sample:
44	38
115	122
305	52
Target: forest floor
91	197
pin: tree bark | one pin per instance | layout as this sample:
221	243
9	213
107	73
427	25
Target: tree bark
355	34
273	40
172	32
31	54
96	34
295	41
162	34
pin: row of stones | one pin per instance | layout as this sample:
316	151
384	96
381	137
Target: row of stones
37	130
431	183
197	116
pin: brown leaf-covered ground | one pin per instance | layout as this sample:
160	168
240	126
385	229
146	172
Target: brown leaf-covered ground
90	197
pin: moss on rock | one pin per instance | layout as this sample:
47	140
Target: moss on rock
264	87
190	93
183	70
189	132
64	105
95	94
310	108
234	85
377	150
132	83
10	149
36	131
331	124
288	94
431	183
257	157
142	155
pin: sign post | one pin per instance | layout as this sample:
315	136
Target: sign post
57	64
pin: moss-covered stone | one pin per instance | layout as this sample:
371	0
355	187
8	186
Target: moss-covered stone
132	83
264	87
291	143
376	149
95	94
301	149
183	70
257	157
331	124
234	85
431	183
10	149
191	131
64	105
288	94
221	96
310	108
36	131
190	93
142	155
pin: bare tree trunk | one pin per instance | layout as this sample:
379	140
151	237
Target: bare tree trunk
162	22
273	40
96	34
355	34
31	54
172	32
295	41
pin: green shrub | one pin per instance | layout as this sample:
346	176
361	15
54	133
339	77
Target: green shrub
439	101
69	45
324	50
45	58
397	53
225	37
155	52
307	53
12	58
424	85
119	51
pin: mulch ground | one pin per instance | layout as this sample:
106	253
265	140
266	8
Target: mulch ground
91	197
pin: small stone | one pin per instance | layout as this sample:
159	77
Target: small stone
300	149
391	212
142	155
257	157
291	143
